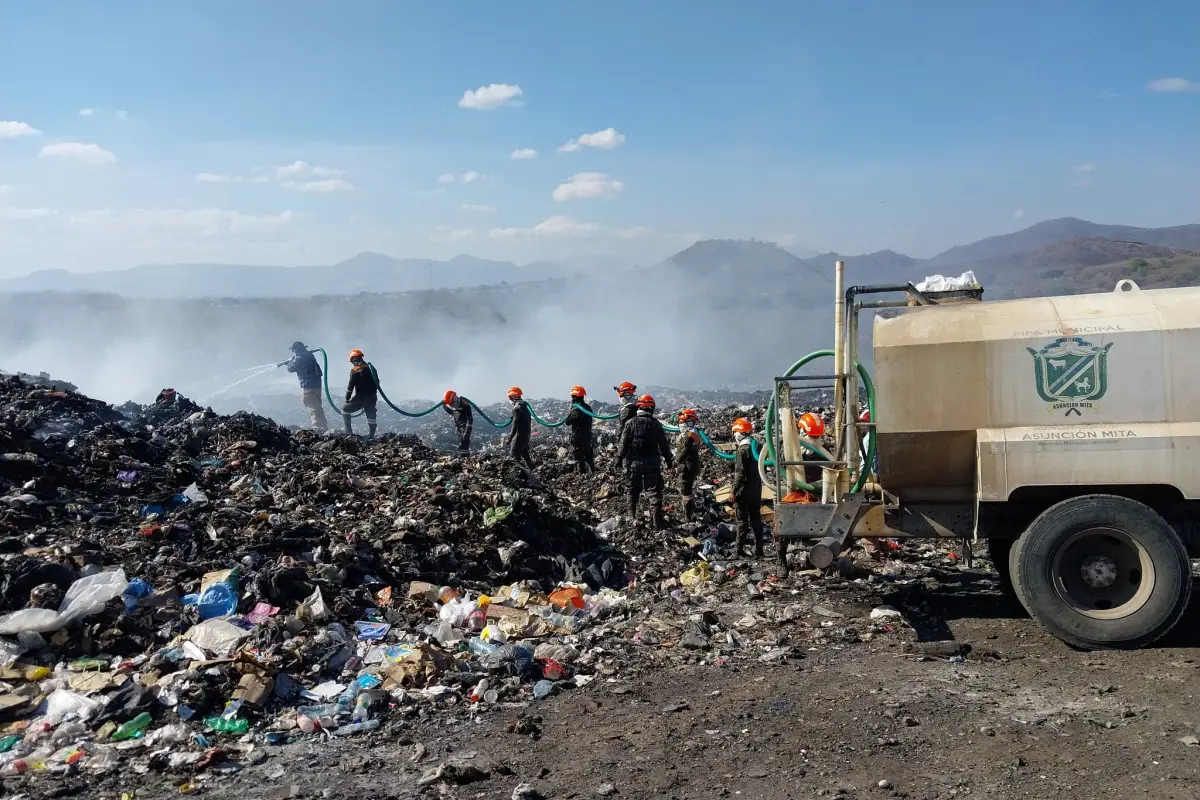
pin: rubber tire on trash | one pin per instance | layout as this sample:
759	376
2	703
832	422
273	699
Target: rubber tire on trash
1032	563
998	552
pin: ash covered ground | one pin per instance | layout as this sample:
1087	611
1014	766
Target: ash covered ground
223	606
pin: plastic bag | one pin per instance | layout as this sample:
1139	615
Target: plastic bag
216	636
62	702
457	612
941	283
85	597
314	608
696	576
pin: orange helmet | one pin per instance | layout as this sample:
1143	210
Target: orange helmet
865	416
645	401
514	392
625	388
811	425
356	354
688	415
578	391
743	425
449	397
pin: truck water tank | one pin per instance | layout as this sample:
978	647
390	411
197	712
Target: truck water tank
944	372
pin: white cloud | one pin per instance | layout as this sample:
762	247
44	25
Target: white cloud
446	177
480	209
3	188
14	130
607	139
495	95
524	153
1173	85
289	170
212	177
445	233
122	115
560	227
471	176
84	153
87	112
328	172
330	185
1019	213
1083	169
587	185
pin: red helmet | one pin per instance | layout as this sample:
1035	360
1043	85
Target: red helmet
449	397
356	353
515	392
578	391
646	401
811	425
625	388
688	415
742	425
865	416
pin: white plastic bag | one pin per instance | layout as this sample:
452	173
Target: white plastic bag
85	597
62	702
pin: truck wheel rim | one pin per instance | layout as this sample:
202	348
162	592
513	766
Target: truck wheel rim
1103	573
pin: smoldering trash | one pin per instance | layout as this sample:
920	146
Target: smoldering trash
182	588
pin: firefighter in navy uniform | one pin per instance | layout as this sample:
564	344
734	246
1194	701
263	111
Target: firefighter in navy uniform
644	449
627	396
362	394
304	365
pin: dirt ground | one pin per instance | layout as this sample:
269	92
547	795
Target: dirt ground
1021	716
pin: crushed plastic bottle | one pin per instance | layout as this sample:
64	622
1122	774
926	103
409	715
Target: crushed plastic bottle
222	725
482	648
133	729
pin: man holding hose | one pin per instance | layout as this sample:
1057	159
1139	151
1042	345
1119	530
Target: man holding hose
362	394
305	367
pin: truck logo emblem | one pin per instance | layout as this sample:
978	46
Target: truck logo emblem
1071	373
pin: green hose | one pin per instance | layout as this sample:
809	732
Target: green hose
868	384
393	406
325	380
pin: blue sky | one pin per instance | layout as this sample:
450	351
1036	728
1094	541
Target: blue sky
303	132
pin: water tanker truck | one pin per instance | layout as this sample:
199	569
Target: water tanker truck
1063	430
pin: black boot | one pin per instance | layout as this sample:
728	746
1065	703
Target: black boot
758	546
739	543
371	431
782	572
349	426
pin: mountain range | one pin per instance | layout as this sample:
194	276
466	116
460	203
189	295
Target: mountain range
1009	265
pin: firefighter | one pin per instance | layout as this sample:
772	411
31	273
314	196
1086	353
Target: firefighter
305	367
362	393
747	489
459	410
579	420
522	427
644	448
627	394
687	458
812	426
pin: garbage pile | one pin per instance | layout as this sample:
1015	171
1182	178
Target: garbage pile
181	587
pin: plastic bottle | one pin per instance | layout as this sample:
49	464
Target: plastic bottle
133	729
222	725
478	692
357	727
323	710
478	620
307	724
481	648
362	708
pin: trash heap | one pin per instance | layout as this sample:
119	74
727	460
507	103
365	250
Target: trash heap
180	588
174	577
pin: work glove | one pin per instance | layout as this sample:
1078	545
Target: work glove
281	364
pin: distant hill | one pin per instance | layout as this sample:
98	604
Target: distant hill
1056	230
365	272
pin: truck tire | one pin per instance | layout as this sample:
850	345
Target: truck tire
1102	572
